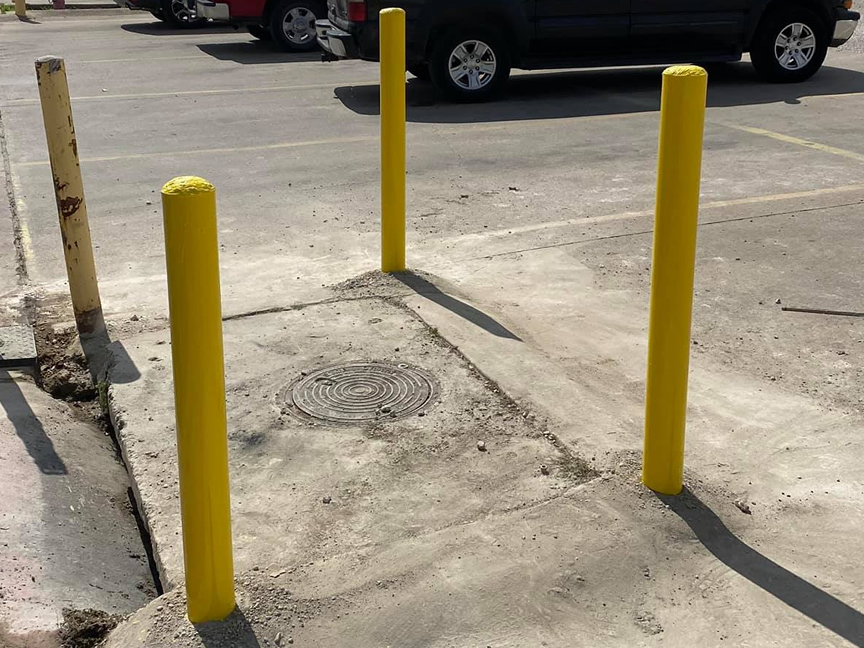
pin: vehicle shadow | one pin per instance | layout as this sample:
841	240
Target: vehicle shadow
794	591
599	92
159	28
255	52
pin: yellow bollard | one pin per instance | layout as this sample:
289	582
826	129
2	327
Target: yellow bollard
392	25
192	259
69	192
21	8
682	119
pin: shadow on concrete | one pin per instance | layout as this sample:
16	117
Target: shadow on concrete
793	590
28	427
120	357
255	52
159	28
430	291
555	95
235	631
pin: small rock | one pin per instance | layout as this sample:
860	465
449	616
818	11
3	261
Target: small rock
481	446
326	499
104	89
149	202
743	506
134	318
544	469
463	195
278	639
777	301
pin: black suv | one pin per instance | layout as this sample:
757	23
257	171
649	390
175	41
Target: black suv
467	47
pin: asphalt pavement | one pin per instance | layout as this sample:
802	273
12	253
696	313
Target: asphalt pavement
533	217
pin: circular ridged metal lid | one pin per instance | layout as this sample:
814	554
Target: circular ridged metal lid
363	392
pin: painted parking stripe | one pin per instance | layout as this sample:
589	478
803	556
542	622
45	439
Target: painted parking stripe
213	151
183	93
816	146
630	215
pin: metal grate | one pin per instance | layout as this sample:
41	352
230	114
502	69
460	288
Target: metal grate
364	392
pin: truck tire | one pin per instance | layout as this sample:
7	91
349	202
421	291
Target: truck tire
177	14
790	45
259	32
483	50
292	25
158	15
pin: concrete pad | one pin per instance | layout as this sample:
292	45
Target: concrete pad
605	564
386	482
67	539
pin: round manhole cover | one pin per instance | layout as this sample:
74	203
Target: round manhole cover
363	392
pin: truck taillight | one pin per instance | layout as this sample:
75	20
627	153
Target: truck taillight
357	10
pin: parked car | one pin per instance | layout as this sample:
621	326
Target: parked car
467	47
177	13
290	23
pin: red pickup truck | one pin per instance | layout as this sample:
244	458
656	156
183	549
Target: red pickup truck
289	23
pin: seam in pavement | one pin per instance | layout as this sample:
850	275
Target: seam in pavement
649	231
298	306
17	236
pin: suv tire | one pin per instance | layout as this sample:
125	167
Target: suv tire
177	14
790	45
485	49
292	25
259	32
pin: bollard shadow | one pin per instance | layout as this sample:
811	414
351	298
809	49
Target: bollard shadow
28	427
234	631
593	92
158	28
255	53
794	591
122	368
430	291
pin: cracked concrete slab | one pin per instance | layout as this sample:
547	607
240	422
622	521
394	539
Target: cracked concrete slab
391	480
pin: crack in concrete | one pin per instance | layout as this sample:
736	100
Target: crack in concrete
17	236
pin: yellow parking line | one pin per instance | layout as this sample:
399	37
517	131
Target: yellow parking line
796	140
716	204
234	149
146	59
182	93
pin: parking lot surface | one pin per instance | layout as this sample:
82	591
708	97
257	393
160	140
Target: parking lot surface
537	210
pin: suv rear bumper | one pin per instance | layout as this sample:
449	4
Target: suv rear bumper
845	27
214	10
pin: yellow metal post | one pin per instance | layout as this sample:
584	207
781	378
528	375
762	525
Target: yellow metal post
679	168
194	300
392	26
21	8
69	192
